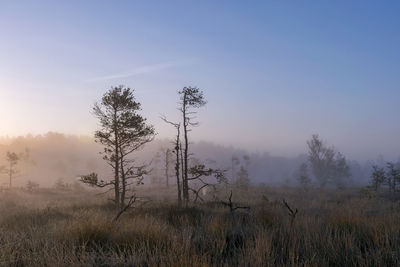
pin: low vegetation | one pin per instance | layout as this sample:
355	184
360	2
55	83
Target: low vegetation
50	227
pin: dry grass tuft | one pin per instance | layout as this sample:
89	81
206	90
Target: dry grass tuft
345	229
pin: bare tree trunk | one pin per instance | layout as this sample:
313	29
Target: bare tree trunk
182	172
167	167
123	181
116	170
116	185
179	161
186	152
177	168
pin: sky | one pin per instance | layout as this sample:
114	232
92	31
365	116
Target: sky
273	72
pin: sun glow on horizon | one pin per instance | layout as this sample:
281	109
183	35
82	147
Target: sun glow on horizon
6	110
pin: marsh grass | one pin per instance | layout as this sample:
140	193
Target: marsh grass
76	229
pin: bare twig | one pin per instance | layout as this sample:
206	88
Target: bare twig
131	201
292	213
231	205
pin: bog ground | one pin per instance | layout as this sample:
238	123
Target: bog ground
349	227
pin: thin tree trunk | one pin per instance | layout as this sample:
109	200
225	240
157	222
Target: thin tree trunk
186	152
167	167
182	171
177	168
116	170
123	181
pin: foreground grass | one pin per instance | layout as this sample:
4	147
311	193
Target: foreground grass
50	228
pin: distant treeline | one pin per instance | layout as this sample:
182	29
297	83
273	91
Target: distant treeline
55	156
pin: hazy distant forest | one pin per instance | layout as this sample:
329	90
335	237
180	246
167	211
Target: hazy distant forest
54	157
122	197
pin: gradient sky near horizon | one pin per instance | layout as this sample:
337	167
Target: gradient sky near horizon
273	72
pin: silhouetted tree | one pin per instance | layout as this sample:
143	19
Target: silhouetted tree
11	170
392	176
321	159
191	97
378	177
327	165
177	151
198	174
122	132
167	161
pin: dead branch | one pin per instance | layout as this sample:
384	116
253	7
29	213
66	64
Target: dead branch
231	205
131	201
199	173
291	213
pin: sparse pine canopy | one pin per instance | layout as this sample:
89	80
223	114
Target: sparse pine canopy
197	173
122	131
120	122
192	97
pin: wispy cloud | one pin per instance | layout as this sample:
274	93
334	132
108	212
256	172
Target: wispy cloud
142	70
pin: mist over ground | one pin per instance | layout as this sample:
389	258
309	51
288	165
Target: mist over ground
57	157
199	133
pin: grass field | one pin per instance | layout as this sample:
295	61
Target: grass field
332	228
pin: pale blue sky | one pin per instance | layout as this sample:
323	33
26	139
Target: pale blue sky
274	72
